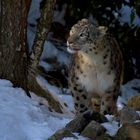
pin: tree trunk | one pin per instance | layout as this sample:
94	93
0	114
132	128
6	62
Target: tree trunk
15	64
13	48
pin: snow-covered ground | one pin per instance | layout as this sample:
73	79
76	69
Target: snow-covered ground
22	118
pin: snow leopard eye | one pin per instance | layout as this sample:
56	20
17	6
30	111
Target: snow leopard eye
84	33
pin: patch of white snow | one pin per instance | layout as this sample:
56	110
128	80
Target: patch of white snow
112	126
126	15
21	118
130	89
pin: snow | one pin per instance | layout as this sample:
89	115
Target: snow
112	126
121	102
34	12
77	135
57	94
21	117
33	15
4	83
130	89
51	52
126	12
30	121
59	15
138	112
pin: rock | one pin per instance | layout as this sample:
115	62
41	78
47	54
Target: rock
81	121
77	124
129	131
93	129
104	137
60	134
96	116
134	102
128	115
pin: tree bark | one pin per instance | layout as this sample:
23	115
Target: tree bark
13	48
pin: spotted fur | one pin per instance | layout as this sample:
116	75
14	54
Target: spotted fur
96	70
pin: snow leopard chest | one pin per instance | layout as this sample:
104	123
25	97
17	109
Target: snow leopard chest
92	76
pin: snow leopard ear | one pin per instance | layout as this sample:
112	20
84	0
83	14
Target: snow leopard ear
103	29
83	22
